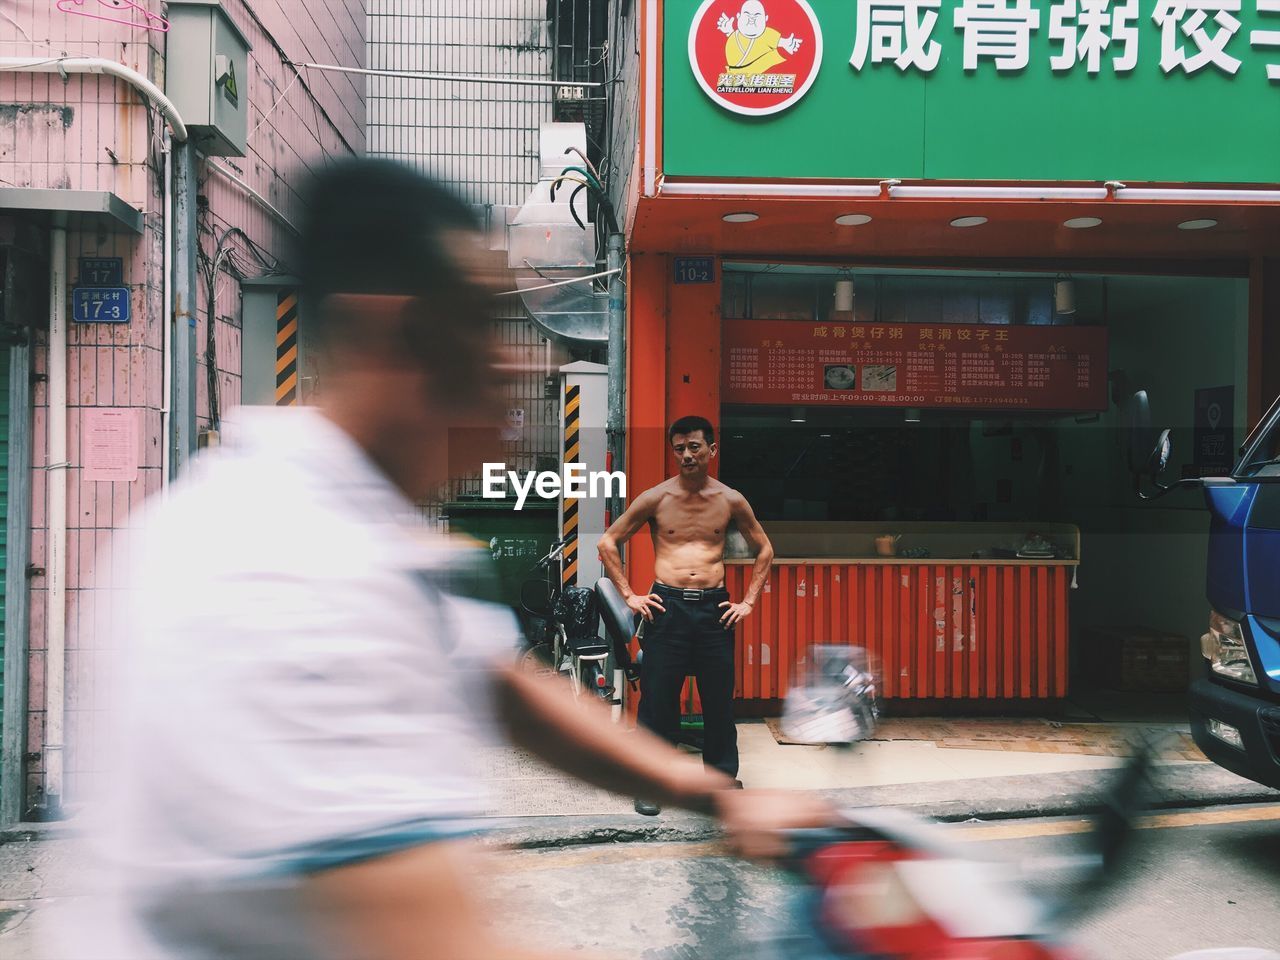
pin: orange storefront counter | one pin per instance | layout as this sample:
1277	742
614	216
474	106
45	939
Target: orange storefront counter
972	629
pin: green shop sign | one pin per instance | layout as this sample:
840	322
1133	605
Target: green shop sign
1140	90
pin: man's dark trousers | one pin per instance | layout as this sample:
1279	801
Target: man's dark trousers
689	639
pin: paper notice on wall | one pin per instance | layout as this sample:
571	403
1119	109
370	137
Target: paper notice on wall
110	444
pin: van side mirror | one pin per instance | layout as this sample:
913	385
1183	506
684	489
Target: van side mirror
1158	460
1146	449
1146	452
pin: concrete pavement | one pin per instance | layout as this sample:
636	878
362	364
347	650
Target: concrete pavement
952	769
904	751
1200	879
959	770
1069	793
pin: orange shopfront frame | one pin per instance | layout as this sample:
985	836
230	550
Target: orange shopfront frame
850	218
1013	617
1005	623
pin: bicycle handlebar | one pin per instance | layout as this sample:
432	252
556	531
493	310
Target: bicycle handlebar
556	549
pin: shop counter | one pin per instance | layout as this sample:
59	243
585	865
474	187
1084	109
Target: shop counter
972	627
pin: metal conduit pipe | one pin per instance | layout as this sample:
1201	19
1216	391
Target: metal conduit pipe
65	65
617	365
56	540
182	397
446	77
253	194
166	345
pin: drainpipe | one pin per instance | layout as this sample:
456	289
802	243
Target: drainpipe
166	333
182	351
617	367
56	541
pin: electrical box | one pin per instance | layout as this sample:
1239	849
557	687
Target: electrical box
207	76
583	414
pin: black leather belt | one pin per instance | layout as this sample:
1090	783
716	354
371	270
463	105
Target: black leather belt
689	593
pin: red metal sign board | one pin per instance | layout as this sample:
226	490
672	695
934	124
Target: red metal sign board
984	367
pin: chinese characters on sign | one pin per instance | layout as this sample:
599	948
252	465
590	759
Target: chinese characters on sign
1268	38
695	269
913	365
100	304
101	271
1194	34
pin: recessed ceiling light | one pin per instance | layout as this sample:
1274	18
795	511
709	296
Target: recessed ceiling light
1082	223
1197	224
853	219
968	221
743	217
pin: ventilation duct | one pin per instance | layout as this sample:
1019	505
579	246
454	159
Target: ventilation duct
545	244
574	312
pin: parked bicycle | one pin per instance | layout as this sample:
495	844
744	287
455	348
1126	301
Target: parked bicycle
564	626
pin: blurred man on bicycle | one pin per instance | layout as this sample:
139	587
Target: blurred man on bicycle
307	683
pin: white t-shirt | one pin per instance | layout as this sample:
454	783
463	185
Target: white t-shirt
305	684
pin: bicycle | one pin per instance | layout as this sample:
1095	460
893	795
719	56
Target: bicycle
564	633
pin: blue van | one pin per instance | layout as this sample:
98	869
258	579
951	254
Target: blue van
1235	703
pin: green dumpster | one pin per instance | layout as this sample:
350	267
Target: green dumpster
515	539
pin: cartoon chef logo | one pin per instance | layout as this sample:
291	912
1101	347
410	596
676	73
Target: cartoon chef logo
755	57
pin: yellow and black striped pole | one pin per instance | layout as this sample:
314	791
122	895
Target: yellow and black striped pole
287	347
572	454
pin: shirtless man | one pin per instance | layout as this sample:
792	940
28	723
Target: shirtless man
689	616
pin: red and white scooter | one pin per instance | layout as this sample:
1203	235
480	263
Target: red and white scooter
886	885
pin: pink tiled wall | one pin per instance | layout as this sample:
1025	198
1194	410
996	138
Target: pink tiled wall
94	133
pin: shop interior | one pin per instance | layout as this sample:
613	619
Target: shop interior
902	472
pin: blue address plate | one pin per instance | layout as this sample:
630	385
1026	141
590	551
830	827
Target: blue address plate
695	270
100	304
102	271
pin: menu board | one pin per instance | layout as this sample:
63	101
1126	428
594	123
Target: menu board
983	367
